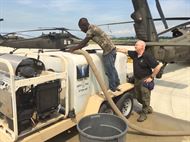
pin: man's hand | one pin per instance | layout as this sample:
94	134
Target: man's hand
70	48
149	79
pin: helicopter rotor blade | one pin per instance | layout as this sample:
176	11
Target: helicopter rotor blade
46	29
172	18
40	29
161	14
43	29
58	28
155	19
116	23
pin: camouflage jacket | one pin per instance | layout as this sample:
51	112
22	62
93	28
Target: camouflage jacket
101	38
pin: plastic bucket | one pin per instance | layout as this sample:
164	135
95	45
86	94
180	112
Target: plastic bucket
102	127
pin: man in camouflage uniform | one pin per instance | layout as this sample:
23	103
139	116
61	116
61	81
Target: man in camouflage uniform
94	33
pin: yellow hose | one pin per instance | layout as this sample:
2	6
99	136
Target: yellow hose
117	111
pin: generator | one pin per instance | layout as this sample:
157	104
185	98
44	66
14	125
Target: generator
29	94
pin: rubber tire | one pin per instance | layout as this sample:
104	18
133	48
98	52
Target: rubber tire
121	102
105	108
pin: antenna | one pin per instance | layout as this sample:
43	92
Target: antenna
1	19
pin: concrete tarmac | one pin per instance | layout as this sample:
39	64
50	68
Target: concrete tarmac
155	121
171	103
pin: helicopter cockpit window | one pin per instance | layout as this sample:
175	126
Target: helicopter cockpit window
176	33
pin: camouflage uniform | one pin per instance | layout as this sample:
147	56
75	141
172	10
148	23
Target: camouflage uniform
100	37
109	54
142	94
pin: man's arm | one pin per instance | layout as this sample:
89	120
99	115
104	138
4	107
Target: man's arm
154	73
156	70
80	45
122	50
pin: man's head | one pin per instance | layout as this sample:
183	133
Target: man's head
140	47
83	24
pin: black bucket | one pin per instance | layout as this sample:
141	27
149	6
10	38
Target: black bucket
102	127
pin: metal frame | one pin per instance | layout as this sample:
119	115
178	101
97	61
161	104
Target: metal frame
15	84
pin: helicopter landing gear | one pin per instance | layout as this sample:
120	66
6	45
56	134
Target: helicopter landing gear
160	73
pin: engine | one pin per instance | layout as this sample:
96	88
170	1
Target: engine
34	102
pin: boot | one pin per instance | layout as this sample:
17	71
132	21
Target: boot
142	117
148	110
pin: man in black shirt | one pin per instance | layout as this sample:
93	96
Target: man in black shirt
145	68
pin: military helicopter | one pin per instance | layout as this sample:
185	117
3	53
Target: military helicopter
52	40
176	49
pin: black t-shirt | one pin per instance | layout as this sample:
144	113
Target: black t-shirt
142	66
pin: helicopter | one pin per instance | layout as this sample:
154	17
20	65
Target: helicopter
170	51
175	49
52	40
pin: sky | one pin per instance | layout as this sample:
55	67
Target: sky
32	14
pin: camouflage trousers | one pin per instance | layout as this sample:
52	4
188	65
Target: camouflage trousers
142	94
